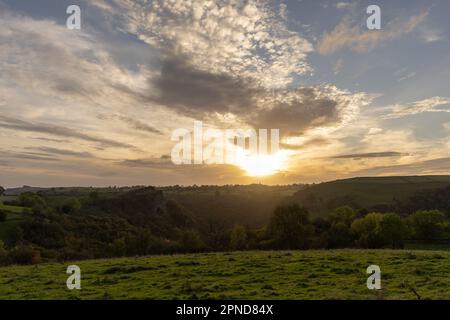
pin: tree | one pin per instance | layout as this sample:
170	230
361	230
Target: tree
339	235
215	234
290	228
191	242
71	206
393	230
29	199
2	191
427	225
239	238
344	214
368	231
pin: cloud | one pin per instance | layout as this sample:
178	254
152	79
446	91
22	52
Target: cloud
296	111
426	167
162	162
234	59
369	155
191	91
313	142
430	35
200	94
426	105
229	59
346	35
27	156
133	123
65	152
344	5
245	39
21	125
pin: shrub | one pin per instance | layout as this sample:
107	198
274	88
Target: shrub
238	238
24	254
3	254
427	225
368	231
190	241
393	230
344	214
71	206
3	215
339	235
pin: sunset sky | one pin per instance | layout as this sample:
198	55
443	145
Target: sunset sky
97	106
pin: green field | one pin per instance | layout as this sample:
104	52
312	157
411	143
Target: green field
365	192
332	274
13	218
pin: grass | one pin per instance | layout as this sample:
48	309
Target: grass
366	192
332	274
13	218
13	209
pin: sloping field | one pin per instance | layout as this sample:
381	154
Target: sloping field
332	274
366	192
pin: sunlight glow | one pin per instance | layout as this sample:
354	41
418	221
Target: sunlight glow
260	165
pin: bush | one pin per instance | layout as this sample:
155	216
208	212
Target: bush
393	230
239	238
368	231
427	225
3	254
339	235
24	254
191	242
3	215
71	206
344	214
30	200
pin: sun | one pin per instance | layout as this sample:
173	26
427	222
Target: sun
260	165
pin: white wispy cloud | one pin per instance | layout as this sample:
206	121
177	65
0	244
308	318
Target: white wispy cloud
247	39
426	105
348	35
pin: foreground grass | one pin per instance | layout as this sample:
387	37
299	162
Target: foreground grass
333	274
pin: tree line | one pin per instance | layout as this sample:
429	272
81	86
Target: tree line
143	221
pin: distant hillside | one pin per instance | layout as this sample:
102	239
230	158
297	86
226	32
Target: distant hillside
371	193
247	205
20	190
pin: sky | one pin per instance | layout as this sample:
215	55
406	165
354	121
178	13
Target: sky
98	106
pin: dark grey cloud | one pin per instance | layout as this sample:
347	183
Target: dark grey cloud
21	125
309	143
194	92
27	156
307	108
441	165
51	140
369	155
190	91
162	162
133	123
64	152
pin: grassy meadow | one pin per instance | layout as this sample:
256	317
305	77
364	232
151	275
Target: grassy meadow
13	218
331	274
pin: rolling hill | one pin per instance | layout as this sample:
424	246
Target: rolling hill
371	193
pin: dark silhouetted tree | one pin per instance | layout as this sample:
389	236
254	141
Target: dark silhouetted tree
290	228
